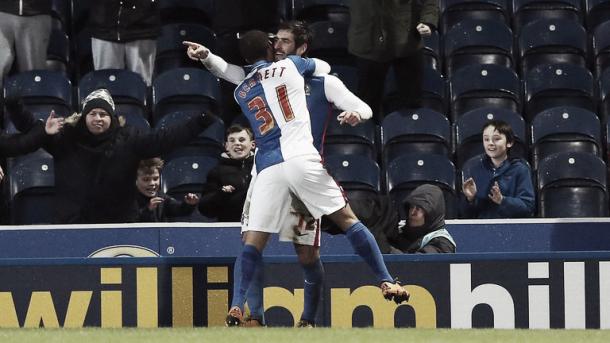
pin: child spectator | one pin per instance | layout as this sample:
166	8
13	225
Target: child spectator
495	185
156	207
224	193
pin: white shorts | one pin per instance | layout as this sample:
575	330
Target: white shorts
270	207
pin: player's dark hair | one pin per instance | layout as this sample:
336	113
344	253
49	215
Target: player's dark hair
299	29
253	45
239	128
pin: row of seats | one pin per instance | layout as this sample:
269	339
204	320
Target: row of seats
568	184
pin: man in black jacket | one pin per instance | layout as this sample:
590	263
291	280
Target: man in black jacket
25	28
124	34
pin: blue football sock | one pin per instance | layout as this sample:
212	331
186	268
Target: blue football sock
314	277
365	246
250	258
255	293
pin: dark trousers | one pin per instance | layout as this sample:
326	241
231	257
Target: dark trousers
408	76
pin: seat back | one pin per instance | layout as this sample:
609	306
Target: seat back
415	131
553	85
320	10
528	11
170	51
434	91
601	47
330	42
357	174
597	12
187	11
478	42
572	184
486	85
552	41
565	129
455	11
347	140
407	172
41	90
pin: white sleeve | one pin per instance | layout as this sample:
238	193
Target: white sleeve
322	67
343	99
220	68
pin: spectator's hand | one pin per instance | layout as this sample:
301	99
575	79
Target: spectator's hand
496	195
228	189
469	187
424	29
191	199
1	174
349	117
53	124
196	51
154	203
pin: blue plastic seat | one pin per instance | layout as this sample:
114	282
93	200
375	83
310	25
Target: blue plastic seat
572	184
185	89
171	53
319	10
552	41
432	50
350	140
127	88
485	85
597	12
553	85
407	172
478	42
455	11
601	47
31	180
469	133
187	11
330	42
569	129
415	131
603	84
528	11
358	175
347	74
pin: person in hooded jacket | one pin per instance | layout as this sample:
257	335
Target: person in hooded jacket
96	160
224	192
421	228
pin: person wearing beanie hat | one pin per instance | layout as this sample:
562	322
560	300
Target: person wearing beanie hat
421	228
96	160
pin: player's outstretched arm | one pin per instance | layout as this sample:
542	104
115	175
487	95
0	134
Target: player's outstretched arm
215	64
355	110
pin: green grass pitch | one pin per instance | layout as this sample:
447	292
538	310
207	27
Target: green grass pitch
290	335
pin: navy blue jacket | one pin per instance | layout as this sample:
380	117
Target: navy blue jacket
515	181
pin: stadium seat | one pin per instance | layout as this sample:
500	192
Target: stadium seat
41	91
209	143
170	50
601	48
552	41
478	42
31	179
569	129
553	85
572	184
434	94
469	133
185	89
127	88
527	11
598	11
320	10
358	175
347	74
411	170
350	140
455	11
421	131
58	51
60	10
432	50
186	174
187	11
604	95
330	42
485	85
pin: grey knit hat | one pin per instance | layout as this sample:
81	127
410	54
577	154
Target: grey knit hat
99	98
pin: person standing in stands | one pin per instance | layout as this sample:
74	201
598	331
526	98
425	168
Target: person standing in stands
25	29
497	186
388	34
124	35
224	192
154	206
96	160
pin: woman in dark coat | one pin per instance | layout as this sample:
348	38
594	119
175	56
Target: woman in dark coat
96	161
